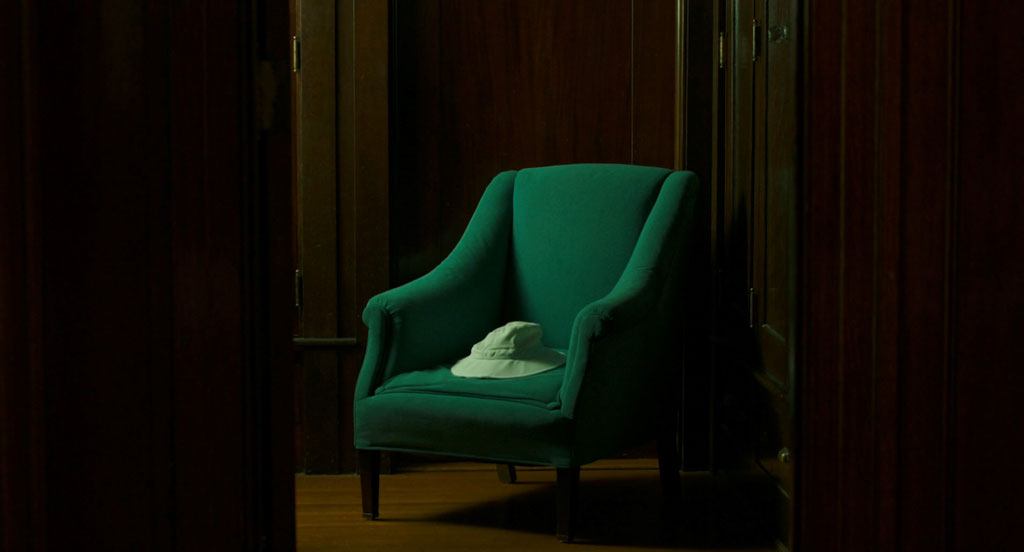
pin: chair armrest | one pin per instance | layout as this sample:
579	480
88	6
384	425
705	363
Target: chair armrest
438	317
616	341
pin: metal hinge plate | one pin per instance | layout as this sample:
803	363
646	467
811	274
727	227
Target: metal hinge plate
753	306
721	50
296	54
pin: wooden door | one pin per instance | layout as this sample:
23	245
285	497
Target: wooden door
739	138
734	187
341	195
755	304
774	237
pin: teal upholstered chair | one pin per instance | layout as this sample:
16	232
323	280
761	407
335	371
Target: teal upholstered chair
591	253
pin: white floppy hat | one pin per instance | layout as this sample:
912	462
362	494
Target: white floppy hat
511	351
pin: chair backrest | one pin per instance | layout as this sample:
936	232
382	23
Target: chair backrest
574	228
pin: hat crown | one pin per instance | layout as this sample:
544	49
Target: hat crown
511	351
509	341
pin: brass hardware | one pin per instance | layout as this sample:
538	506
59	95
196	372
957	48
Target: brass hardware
778	33
721	50
298	288
752	299
755	40
295	54
784	456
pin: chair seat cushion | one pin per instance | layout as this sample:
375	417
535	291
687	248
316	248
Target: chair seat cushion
467	427
537	390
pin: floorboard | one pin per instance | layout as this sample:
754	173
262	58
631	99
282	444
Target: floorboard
463	506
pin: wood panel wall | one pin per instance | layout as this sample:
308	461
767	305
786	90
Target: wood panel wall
481	87
143	321
912	277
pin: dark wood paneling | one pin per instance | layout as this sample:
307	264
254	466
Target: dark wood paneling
480	87
415	199
21	495
987	310
818	514
911	280
887	237
140	266
856	286
654	108
924	274
93	183
206	263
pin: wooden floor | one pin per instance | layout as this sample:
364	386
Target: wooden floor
463	506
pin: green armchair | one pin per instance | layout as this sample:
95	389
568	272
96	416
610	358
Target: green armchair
589	252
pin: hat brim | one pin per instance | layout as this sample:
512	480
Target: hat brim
502	368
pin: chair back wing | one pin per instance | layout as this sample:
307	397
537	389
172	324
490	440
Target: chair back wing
574	228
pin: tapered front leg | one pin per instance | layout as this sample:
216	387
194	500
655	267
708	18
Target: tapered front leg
568	502
369	477
507	473
668	465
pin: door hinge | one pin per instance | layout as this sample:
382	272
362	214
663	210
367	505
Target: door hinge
721	50
298	288
753	301
755	40
296	54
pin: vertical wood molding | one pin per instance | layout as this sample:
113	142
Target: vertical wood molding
321	226
372	153
369	184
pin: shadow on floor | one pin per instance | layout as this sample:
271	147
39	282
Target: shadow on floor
714	512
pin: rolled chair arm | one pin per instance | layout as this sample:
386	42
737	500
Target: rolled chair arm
438	317
630	324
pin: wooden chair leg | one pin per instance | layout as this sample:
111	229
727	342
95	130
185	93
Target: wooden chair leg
568	502
507	473
369	478
668	465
